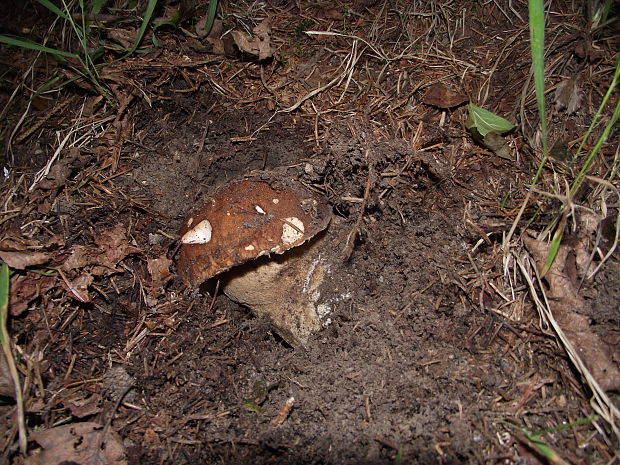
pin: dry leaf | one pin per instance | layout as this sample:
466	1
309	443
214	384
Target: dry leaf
565	305
568	95
124	37
84	443
113	247
62	169
439	95
159	269
81	407
258	45
22	260
79	287
26	288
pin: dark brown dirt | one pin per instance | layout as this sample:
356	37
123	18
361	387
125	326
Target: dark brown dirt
422	361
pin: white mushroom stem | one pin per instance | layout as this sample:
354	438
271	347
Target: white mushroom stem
286	289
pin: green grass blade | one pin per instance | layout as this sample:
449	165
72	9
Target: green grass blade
8	354
97	6
32	46
543	448
554	247
606	10
537	43
603	138
4	301
53	8
599	143
210	16
148	14
612	86
572	424
398	459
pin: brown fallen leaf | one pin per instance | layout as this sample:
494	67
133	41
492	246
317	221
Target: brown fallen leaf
27	287
62	169
85	443
159	269
258	45
565	305
83	407
123	37
78	287
568	95
216	28
113	246
438	95
17	243
22	260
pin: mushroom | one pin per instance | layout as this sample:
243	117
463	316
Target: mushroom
249	228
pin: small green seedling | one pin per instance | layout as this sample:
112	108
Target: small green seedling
536	441
399	457
485	121
259	394
487	129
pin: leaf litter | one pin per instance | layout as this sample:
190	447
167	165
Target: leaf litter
86	443
436	344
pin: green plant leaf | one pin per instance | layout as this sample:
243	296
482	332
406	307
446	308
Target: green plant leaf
537	45
398	459
485	122
148	14
210	16
252	407
554	247
96	6
53	8
33	46
603	137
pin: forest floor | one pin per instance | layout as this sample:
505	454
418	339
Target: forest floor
445	344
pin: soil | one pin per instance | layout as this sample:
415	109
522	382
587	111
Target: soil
434	353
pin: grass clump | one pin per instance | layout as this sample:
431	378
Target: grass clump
81	57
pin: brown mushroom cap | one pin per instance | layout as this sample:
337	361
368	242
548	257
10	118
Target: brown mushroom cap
245	220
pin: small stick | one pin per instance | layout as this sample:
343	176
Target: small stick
350	242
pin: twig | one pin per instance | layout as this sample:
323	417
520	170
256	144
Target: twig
350	241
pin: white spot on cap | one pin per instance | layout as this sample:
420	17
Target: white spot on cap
249	248
260	210
276	201
201	234
292	230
